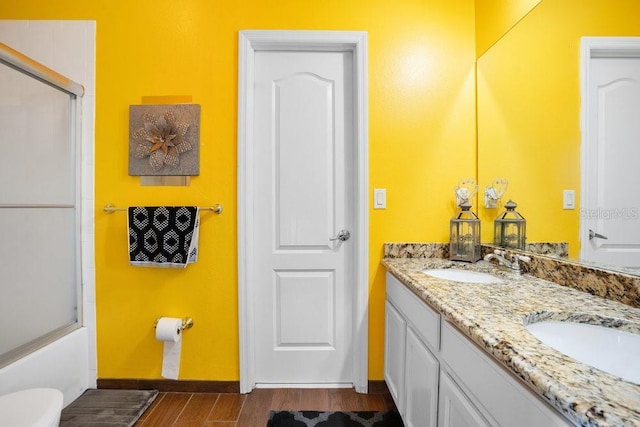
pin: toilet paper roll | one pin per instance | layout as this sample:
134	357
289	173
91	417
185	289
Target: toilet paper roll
169	330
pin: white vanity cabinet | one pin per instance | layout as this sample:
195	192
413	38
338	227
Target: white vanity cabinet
438	377
502	398
412	333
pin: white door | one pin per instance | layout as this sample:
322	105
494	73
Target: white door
303	198
611	207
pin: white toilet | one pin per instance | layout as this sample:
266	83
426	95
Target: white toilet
36	407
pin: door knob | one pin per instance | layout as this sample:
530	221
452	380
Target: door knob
593	234
343	236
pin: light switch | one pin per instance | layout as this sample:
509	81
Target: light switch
569	199
379	198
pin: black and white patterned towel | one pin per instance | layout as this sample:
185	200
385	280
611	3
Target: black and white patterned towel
163	236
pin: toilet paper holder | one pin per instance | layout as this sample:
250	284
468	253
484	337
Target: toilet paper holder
187	323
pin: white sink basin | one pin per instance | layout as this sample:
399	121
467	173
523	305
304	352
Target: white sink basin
611	350
464	276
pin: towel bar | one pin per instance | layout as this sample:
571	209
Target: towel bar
111	208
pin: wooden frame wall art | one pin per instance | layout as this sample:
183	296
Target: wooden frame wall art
164	140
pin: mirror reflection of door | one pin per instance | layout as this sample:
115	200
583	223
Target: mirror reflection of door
610	210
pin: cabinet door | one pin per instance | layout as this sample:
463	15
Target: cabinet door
421	384
394	346
454	409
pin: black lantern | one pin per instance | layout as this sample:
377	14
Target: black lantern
464	235
510	228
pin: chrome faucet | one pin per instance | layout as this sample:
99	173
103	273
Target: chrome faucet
508	259
499	255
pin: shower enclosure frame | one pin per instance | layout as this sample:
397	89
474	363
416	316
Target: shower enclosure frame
31	68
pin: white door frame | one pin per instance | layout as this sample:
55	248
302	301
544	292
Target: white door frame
595	47
251	41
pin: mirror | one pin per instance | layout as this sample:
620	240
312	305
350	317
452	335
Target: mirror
528	112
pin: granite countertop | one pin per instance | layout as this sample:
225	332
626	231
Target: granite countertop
494	315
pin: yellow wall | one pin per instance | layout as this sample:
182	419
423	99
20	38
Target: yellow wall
529	110
422	133
494	18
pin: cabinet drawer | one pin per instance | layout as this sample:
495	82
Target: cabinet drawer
508	401
424	320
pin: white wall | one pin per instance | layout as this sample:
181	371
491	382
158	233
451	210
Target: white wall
68	364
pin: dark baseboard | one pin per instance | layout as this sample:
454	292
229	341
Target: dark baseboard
378	387
196	386
189	386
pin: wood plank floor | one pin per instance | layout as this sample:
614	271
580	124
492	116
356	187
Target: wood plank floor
252	410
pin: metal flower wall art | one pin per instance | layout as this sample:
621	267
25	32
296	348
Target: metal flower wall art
164	139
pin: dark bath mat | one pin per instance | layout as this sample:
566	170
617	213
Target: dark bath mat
108	408
334	419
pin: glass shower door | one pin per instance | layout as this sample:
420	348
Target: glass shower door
39	214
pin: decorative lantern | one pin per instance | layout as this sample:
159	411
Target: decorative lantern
464	235
510	228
